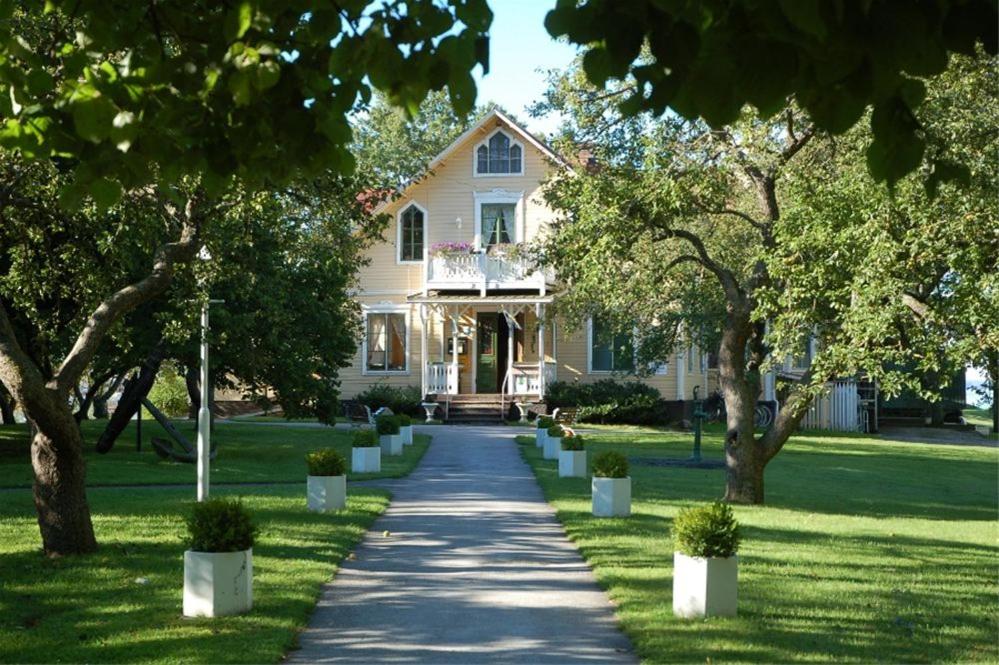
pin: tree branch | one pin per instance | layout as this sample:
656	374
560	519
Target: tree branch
166	259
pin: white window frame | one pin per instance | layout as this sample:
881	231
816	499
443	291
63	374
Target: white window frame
499	196
485	142
384	308
398	233
589	352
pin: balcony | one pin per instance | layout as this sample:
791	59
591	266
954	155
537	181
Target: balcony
479	271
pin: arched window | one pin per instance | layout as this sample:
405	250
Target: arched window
498	155
411	232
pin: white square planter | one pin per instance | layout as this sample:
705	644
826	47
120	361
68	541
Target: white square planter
407	435
326	493
553	444
572	464
391	443
366	460
611	497
705	587
540	436
217	583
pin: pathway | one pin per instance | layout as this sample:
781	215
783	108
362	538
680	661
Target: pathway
474	568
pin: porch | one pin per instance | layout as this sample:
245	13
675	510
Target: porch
483	271
499	345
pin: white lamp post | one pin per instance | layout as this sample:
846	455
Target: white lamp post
204	413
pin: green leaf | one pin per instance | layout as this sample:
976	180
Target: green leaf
241	87
93	118
105	192
806	15
266	75
237	21
598	65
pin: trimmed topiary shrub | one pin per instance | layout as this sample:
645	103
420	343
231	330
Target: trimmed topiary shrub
220	525
404	420
386	425
401	399
365	438
709	531
574	442
544	422
610	401
610	464
556	431
326	462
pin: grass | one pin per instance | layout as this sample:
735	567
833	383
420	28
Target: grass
866	550
93	608
976	416
246	453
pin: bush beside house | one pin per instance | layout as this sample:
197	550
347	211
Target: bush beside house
400	399
610	402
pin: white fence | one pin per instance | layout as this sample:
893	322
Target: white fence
442	379
838	409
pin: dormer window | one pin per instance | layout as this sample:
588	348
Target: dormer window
499	155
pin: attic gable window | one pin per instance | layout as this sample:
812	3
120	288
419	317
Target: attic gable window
498	155
411	234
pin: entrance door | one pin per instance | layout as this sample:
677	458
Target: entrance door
487	361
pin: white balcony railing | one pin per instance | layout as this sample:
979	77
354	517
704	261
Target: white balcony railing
480	271
442	379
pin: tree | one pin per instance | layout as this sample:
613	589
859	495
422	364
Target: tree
710	59
680	224
171	103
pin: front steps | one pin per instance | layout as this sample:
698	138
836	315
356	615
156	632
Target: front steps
479	408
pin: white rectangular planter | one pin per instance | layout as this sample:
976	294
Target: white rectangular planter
407	435
540	436
553	444
217	583
366	460
391	443
572	464
705	587
611	497
326	493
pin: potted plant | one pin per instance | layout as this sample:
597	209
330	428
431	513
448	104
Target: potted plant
326	484
541	433
553	441
449	249
572	457
405	428
388	434
366	454
218	563
705	565
611	485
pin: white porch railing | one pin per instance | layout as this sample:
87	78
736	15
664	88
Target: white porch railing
837	410
481	271
442	379
525	379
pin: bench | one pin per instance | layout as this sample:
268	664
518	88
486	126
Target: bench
565	416
357	414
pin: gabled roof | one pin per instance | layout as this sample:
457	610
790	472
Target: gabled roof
443	156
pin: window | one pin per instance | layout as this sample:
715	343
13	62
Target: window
804	359
411	234
497	223
385	342
498	155
610	352
691	359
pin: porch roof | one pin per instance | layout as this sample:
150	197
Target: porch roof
475	299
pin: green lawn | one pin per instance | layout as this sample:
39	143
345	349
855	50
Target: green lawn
867	550
92	609
246	453
975	416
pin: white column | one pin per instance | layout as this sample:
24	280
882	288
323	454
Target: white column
204	414
539	312
769	386
424	352
681	375
510	329
454	350
443	314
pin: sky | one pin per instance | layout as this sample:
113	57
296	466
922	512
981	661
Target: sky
519	45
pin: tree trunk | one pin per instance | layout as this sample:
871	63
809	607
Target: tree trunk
131	398
6	407
744	469
192	381
60	484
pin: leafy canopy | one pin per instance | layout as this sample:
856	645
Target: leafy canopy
710	59
130	93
